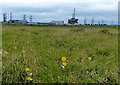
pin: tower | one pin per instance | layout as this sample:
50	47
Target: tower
73	13
85	21
98	22
10	16
30	18
92	23
73	20
4	17
112	22
24	17
102	22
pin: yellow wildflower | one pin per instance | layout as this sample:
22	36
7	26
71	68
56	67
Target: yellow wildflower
64	64
89	58
15	47
28	78
0	52
23	51
27	69
63	58
6	52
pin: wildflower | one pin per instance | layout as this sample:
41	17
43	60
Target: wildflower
6	52
64	64
1	52
27	69
23	51
89	58
63	58
29	78
30	74
15	47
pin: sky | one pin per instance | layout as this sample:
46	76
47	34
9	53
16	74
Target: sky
61	10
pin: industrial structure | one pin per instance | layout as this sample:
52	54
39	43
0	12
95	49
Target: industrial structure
57	22
24	17
85	21
30	18
92	22
73	20
10	16
18	21
24	21
4	17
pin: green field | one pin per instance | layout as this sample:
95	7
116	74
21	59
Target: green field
44	47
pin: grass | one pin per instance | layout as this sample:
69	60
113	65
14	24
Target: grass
45	45
0	54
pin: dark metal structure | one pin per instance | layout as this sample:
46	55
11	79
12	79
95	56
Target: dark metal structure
24	17
4	17
73	20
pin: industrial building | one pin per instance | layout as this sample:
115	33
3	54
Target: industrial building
18	21
57	22
73	20
24	21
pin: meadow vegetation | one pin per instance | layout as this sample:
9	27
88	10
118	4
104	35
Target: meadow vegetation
90	54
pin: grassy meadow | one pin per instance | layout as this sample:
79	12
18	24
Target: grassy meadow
91	54
0	54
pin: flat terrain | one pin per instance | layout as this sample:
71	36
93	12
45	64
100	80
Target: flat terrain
0	54
41	48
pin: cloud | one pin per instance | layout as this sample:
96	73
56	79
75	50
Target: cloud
61	10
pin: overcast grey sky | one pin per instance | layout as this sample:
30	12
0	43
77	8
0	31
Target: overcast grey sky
48	10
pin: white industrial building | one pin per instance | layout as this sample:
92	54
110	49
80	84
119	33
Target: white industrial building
58	22
18	21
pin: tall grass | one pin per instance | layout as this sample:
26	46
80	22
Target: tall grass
45	45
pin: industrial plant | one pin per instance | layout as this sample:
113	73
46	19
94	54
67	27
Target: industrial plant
72	21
